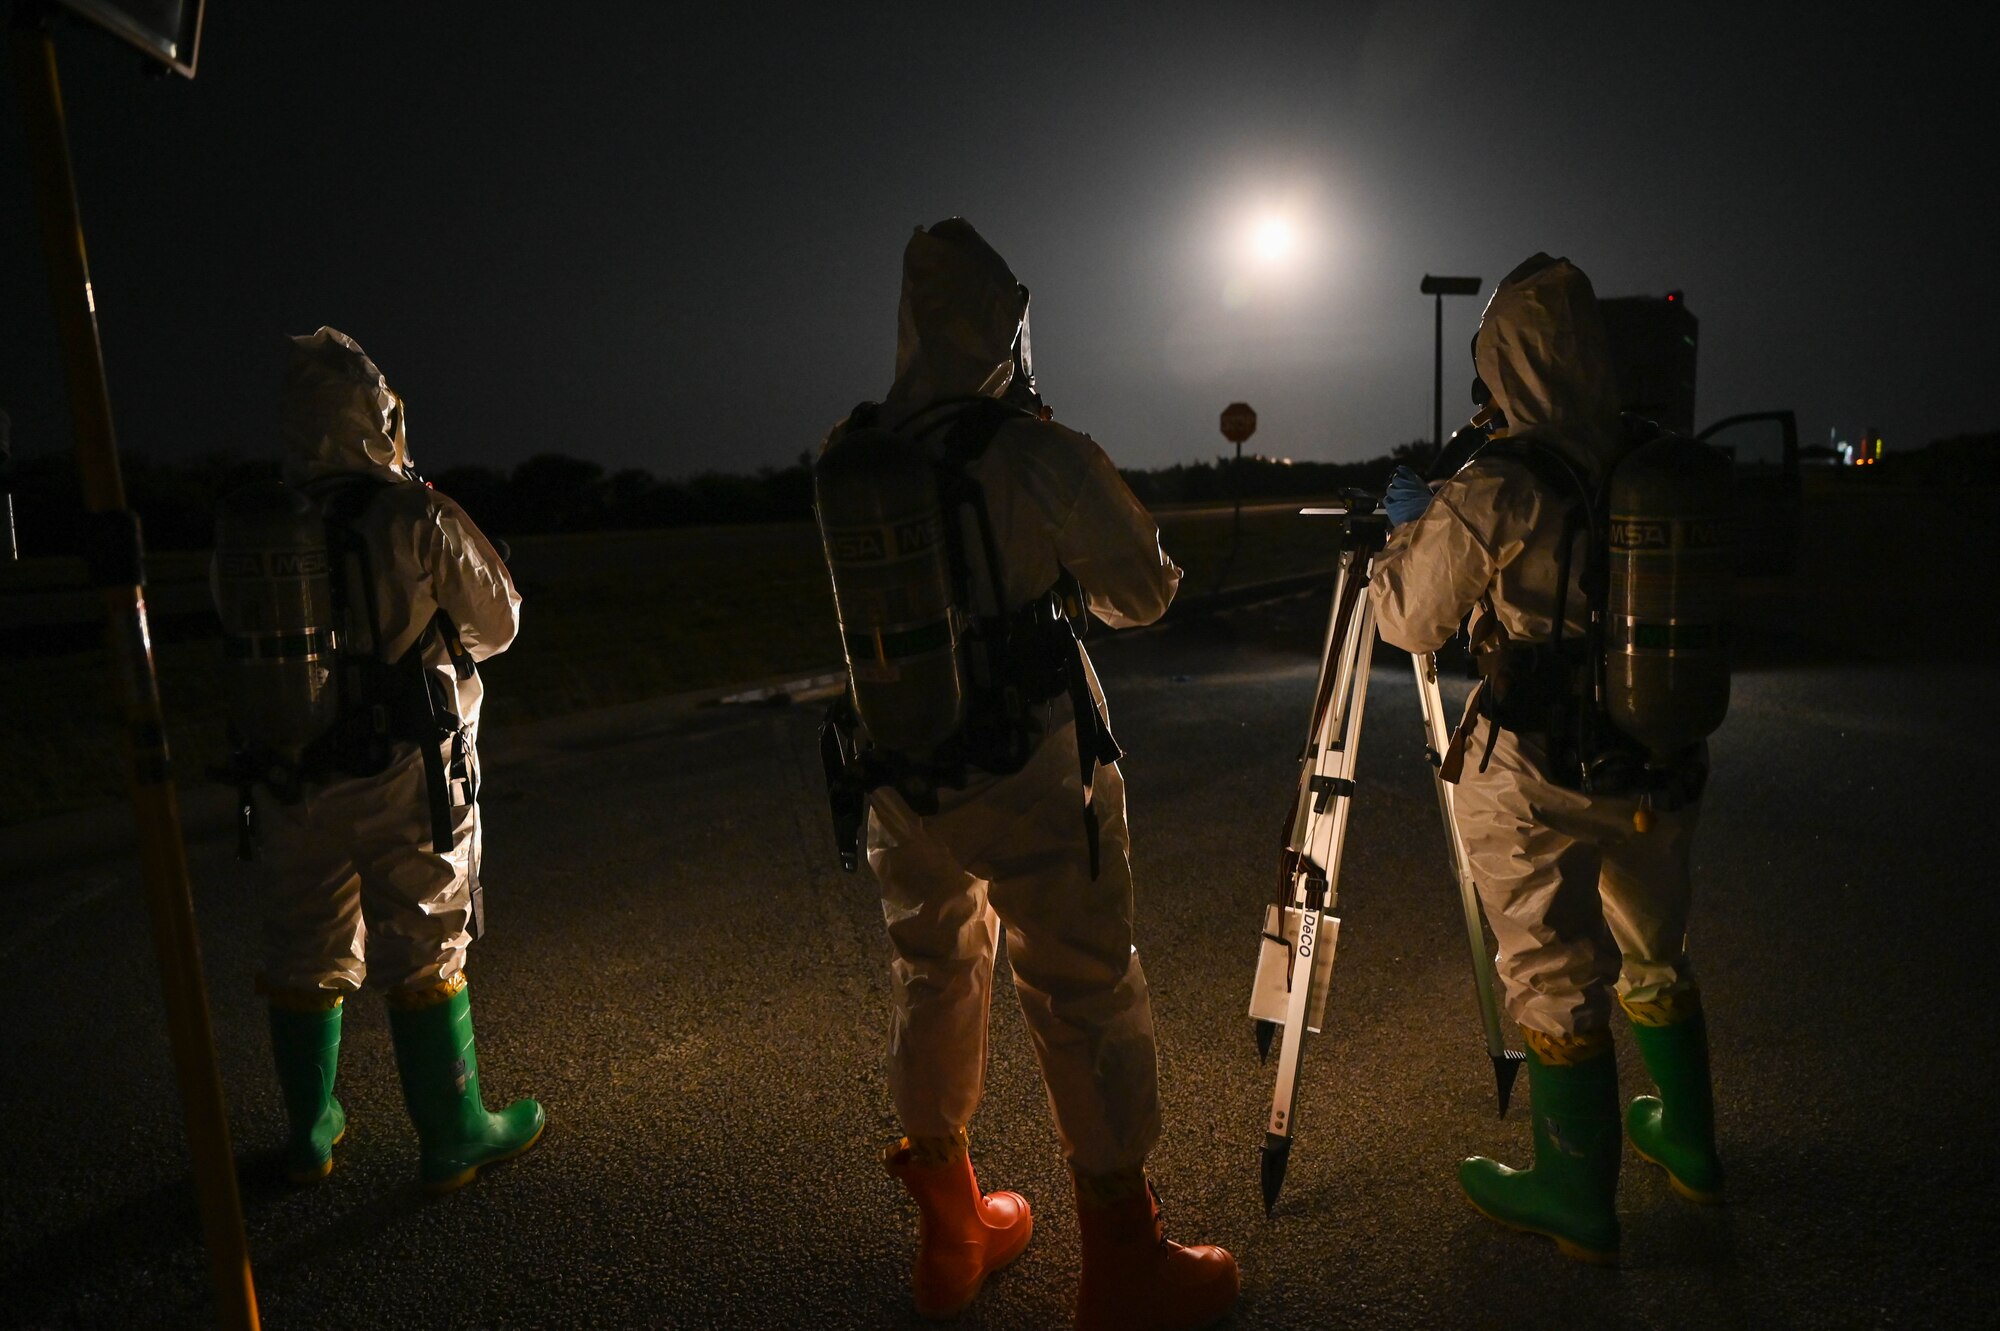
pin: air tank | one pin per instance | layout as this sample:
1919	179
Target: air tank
882	525
274	594
1667	666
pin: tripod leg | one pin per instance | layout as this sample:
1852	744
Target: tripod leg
1437	734
1318	833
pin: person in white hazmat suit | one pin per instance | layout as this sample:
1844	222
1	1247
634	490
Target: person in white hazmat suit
1584	905
356	890
1011	852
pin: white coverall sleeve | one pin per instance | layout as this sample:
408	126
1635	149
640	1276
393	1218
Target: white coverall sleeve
1430	575
1112	545
471	583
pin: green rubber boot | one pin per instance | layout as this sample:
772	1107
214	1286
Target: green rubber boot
432	1029
305	1045
1676	1128
1571	1192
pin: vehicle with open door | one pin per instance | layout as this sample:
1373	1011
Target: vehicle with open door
1654	342
1764	448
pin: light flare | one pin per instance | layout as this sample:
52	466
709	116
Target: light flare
1274	239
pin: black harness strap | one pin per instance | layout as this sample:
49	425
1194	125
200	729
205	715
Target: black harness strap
1095	745
399	701
1531	687
1556	689
1032	655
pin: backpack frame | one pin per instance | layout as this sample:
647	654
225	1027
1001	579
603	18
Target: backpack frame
1013	660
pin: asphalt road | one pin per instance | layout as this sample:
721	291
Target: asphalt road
679	971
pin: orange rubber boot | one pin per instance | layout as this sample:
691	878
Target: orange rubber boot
962	1237
1134	1277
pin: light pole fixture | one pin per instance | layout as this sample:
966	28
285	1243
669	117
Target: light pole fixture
1442	287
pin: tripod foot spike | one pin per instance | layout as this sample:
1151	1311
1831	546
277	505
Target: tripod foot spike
1506	1067
1265	1031
1277	1155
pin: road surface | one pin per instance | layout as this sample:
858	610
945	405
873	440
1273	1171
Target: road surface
679	971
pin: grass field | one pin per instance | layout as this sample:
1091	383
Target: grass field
617	617
606	618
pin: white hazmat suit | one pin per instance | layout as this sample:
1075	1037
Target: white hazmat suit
1579	900
356	887
1011	851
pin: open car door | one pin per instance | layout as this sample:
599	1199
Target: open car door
1764	446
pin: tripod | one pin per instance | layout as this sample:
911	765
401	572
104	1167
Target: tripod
1295	957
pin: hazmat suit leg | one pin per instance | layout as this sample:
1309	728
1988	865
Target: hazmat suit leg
1082	989
944	934
1530	846
416	899
1561	873
1013	847
314	937
354	886
1647	893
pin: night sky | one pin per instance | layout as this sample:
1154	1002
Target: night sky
673	242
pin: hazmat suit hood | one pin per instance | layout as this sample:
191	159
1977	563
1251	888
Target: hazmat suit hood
1542	353
336	412
962	322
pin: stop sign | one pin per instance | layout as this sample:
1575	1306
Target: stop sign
1238	422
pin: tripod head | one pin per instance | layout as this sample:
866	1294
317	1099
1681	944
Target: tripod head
1364	524
1356	501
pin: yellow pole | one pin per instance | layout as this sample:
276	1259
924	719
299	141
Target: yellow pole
116	569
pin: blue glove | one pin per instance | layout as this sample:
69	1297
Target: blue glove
1408	497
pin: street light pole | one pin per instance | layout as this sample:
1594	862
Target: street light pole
1437	378
1440	287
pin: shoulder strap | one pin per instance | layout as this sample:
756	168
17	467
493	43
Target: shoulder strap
972	428
1582	517
417	712
347	498
1544	463
961	428
1048	622
342	499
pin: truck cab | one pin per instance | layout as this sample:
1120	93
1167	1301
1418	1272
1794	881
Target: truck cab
1654	345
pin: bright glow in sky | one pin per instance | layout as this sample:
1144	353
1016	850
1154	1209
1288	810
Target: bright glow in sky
1275	239
1213	208
1268	250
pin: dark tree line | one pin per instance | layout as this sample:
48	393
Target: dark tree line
1963	459
555	493
1258	477
548	493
